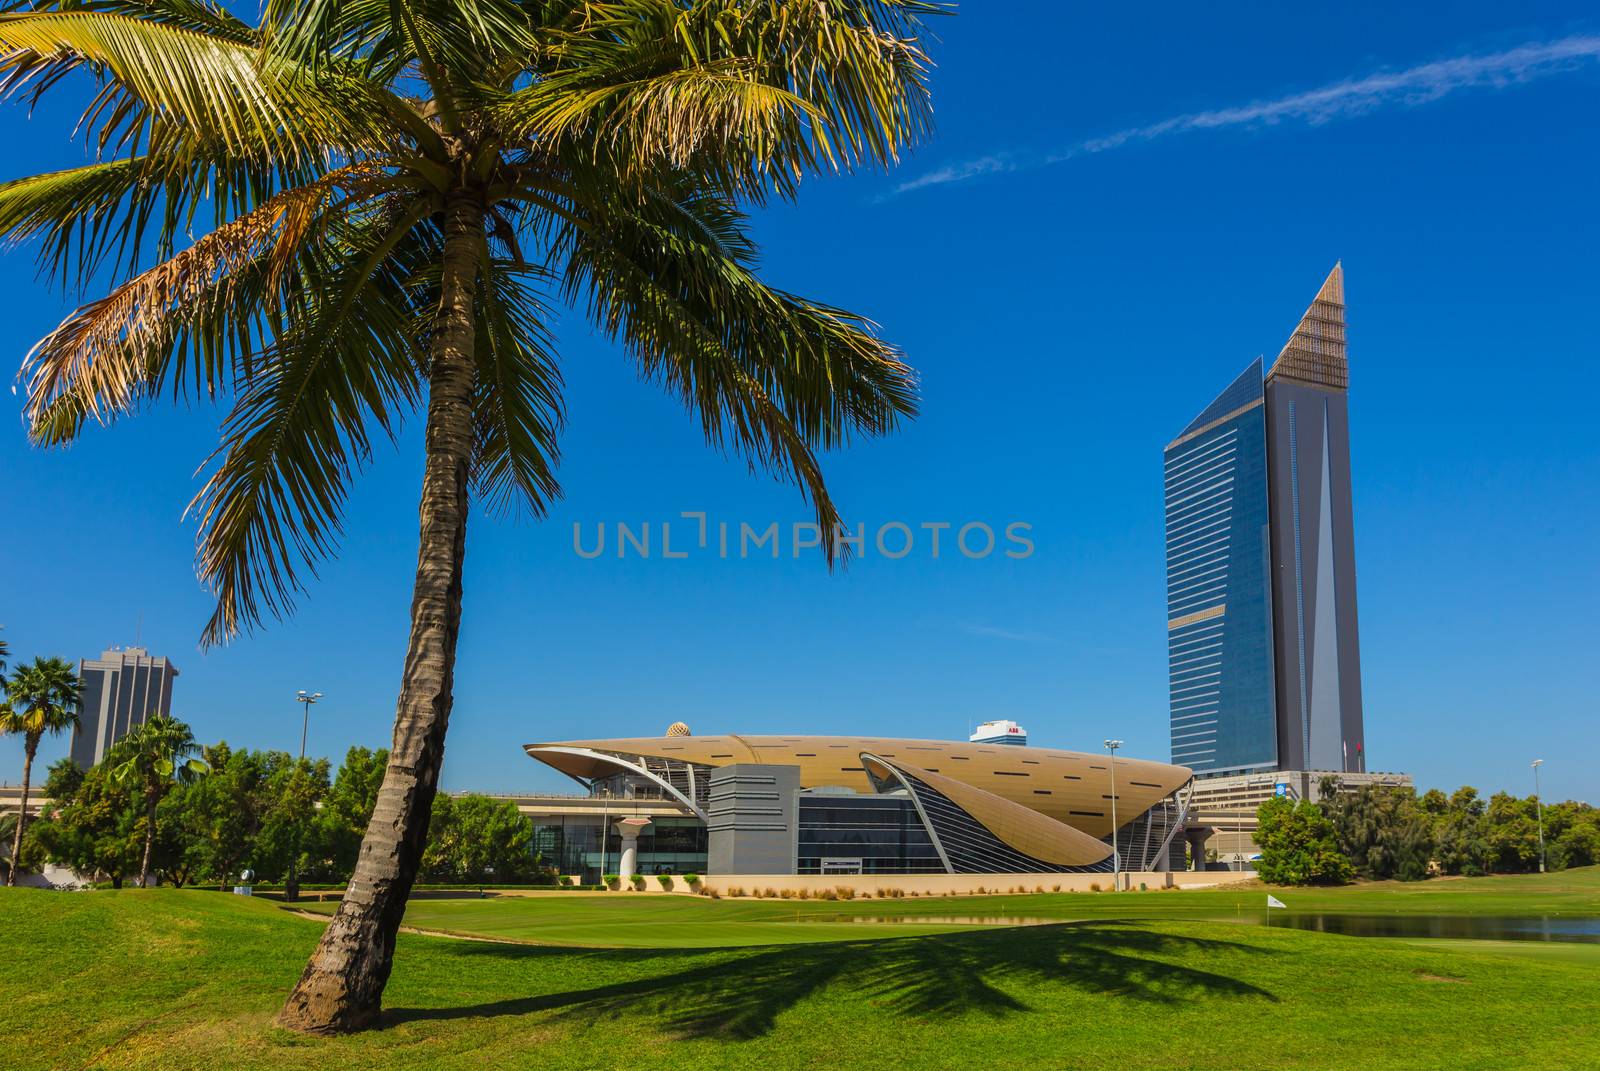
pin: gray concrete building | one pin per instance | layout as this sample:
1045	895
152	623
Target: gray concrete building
121	689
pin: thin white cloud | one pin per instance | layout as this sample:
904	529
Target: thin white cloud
994	632
983	165
1351	97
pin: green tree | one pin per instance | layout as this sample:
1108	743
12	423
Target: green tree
282	849
347	808
478	839
1575	834
1382	829
1458	830
388	199
93	824
1511	834
152	758
1298	845
42	697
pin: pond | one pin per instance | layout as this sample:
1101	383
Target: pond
1578	928
1468	927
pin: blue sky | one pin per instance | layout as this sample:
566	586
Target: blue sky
1118	211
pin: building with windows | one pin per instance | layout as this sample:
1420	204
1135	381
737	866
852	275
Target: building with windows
1264	658
121	689
798	805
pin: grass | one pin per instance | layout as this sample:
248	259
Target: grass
627	921
165	979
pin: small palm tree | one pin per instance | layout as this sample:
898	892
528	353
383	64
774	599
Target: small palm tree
152	758
390	201
42	697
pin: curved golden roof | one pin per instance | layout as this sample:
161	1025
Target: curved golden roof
1023	828
1072	787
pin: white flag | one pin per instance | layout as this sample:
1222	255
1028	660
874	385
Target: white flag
1273	901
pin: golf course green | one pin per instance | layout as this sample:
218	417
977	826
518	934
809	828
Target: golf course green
191	979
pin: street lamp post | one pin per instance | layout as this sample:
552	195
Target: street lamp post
1116	852
306	699
1539	801
291	883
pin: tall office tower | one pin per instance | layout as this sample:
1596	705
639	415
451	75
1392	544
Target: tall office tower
1219	609
121	689
1264	664
1313	537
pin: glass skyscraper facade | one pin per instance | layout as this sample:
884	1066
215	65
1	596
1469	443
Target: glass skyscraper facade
1264	657
1219	610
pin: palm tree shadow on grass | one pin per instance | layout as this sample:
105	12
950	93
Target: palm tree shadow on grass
740	998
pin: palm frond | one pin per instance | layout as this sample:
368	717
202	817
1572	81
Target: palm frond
348	359
199	15
110	351
518	405
750	96
773	377
168	80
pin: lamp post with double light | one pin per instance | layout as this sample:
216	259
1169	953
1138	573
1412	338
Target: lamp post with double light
1539	802
1116	853
291	882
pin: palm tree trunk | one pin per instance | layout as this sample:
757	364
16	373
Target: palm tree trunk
342	987
149	838
30	745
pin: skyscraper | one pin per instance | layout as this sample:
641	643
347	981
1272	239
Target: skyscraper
1264	659
121	689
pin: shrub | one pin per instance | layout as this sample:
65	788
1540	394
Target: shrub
827	894
612	881
692	879
787	894
714	894
1094	886
638	881
736	890
665	880
564	880
845	892
1055	888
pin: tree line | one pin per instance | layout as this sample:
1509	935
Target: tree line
1381	832
221	811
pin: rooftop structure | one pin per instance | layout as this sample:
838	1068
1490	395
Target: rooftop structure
1000	732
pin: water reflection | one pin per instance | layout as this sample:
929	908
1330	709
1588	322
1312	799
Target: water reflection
1468	927
1461	927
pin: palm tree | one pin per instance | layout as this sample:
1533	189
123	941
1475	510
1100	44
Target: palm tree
152	758
42	697
391	199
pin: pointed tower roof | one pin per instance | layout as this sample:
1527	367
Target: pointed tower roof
1241	394
1315	353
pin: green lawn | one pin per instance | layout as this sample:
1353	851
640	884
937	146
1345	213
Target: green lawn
165	979
639	921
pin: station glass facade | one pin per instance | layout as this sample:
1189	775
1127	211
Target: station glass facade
666	846
880	834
